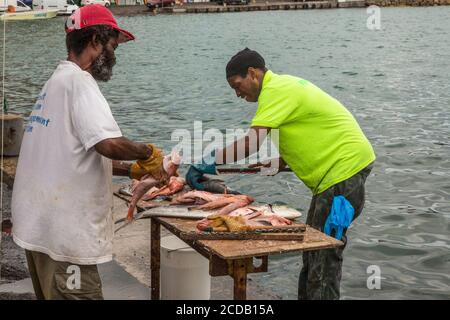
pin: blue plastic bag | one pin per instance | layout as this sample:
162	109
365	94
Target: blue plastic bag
340	217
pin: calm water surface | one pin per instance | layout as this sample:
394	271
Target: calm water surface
395	81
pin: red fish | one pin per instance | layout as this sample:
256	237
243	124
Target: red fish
139	189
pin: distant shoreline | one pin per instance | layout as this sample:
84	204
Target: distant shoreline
259	5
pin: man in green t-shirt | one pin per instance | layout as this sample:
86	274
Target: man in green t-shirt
320	141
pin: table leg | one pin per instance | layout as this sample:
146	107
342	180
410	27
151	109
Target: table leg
155	236
240	279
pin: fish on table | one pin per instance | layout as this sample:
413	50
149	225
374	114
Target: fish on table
208	201
175	185
226	207
140	188
242	219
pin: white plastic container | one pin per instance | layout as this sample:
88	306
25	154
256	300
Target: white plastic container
12	133
184	272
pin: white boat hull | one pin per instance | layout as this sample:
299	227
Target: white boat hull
29	15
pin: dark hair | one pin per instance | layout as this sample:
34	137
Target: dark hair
78	40
244	59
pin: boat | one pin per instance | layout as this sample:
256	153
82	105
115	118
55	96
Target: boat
29	15
64	7
17	10
16	5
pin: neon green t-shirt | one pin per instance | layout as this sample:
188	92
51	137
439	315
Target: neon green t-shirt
319	138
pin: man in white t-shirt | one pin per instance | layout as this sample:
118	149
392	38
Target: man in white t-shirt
62	197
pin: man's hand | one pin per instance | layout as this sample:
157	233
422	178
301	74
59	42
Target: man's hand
196	171
150	158
153	165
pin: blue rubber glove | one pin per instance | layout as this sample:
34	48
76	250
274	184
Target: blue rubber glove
196	171
340	217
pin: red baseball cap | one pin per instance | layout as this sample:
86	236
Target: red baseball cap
95	14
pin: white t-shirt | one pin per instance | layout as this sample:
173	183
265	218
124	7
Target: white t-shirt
62	196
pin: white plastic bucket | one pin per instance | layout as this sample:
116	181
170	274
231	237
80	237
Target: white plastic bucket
184	272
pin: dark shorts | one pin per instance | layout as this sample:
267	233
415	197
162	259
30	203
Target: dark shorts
56	280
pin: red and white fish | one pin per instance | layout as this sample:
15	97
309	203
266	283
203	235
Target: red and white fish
140	188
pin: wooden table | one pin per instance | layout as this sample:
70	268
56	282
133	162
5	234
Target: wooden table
230	257
234	258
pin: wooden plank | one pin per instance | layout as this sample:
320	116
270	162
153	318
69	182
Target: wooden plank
155	259
221	267
218	266
240	278
263	267
242	236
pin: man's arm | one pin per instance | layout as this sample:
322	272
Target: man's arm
123	149
244	147
149	158
121	168
236	151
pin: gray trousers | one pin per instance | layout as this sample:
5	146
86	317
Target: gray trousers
321	274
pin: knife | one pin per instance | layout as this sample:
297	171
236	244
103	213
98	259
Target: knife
231	170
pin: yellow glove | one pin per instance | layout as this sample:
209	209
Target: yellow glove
153	165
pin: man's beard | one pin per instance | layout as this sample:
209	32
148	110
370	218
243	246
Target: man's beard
102	66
